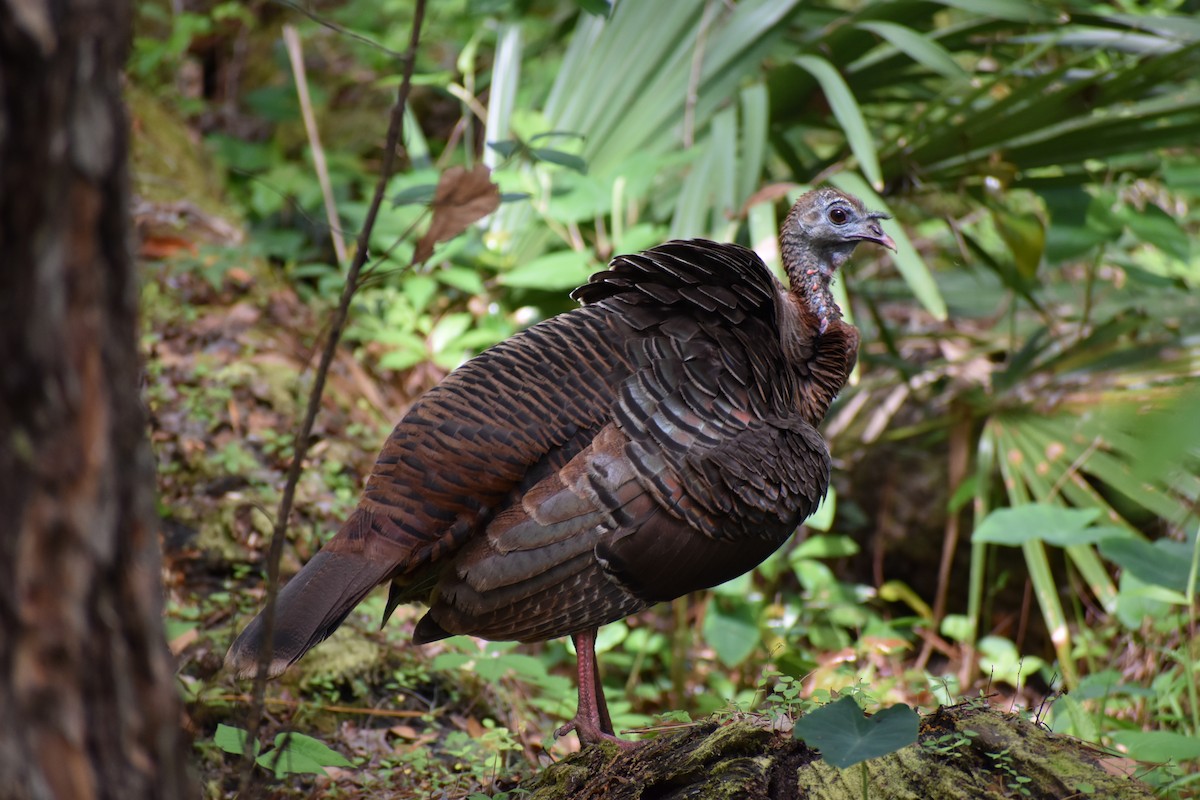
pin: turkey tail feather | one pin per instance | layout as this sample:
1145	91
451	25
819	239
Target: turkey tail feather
309	608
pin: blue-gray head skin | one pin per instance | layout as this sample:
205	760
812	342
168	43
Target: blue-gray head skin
818	236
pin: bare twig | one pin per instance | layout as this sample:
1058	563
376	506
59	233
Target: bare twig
300	446
960	462
291	39
333	26
397	713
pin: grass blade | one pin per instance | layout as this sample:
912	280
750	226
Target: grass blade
922	49
849	116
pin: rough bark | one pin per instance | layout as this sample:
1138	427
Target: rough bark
966	753
88	707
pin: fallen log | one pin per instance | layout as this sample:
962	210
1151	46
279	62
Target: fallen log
965	751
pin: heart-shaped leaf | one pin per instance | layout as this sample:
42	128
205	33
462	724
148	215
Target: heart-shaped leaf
845	736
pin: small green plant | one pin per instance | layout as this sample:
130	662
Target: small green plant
1015	782
950	744
293	753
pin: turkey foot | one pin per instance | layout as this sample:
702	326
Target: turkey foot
591	722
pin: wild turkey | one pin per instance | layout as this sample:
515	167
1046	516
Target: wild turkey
657	440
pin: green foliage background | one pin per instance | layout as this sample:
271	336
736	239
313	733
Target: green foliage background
1028	383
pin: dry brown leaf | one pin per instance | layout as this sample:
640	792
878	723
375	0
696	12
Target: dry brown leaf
461	199
771	193
404	731
183	640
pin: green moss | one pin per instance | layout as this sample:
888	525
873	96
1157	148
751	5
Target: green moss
168	164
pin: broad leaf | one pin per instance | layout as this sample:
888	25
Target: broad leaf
1163	563
1158	746
1038	521
565	269
731	627
296	753
232	740
845	736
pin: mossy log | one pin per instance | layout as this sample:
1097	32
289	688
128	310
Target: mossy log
963	752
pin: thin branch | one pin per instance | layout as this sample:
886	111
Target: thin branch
291	39
333	26
396	713
300	446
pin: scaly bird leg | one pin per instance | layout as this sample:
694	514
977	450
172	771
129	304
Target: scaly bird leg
591	723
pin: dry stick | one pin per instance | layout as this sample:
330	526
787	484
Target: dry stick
291	39
399	713
960	460
338	29
300	446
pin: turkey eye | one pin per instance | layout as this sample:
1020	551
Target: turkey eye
838	216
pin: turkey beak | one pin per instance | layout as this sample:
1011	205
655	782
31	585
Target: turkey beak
875	231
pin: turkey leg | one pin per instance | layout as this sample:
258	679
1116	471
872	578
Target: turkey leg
592	722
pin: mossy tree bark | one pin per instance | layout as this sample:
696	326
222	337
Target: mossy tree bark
88	706
964	753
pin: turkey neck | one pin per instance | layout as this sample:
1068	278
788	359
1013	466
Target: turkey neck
810	276
819	345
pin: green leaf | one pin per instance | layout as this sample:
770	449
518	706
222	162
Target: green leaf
845	736
1158	746
564	269
956	627
1163	563
1026	239
731	627
232	740
462	278
1078	222
1012	10
421	193
601	8
826	546
568	160
999	658
919	48
1039	521
849	115
610	636
449	661
755	120
505	147
1156	227
296	753
822	518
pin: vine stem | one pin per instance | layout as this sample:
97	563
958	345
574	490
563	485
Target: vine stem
300	446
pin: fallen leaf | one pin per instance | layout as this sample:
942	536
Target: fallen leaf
183	640
165	246
461	199
404	731
475	728
771	193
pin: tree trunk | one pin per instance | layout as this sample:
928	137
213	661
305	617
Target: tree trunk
88	707
964	753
